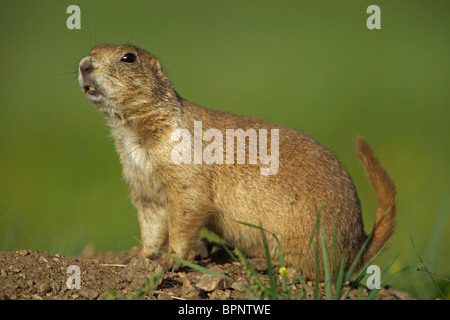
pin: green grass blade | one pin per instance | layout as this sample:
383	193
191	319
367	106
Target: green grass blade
339	280
438	232
426	269
316	282
335	265
270	275
326	267
311	238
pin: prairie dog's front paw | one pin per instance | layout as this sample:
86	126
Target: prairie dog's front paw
168	263
146	252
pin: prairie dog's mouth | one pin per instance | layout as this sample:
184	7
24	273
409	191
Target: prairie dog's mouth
90	90
92	93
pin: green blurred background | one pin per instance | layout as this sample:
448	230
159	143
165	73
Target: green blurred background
311	65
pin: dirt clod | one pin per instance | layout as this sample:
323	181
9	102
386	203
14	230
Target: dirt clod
138	270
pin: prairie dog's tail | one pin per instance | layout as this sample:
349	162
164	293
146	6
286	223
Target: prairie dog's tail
385	192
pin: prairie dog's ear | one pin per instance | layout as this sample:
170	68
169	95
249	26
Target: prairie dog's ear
158	69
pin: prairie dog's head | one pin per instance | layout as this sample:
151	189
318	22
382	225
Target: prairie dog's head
121	80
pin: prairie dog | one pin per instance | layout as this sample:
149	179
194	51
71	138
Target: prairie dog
175	199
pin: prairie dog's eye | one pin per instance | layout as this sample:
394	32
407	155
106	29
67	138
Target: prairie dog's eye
129	57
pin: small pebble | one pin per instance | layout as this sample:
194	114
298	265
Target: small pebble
23	252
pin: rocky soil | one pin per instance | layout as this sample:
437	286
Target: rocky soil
27	274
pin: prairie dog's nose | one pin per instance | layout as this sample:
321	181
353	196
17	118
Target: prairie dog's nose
86	65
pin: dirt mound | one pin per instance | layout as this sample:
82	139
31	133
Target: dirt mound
26	274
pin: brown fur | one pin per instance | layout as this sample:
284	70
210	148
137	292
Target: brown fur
175	201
